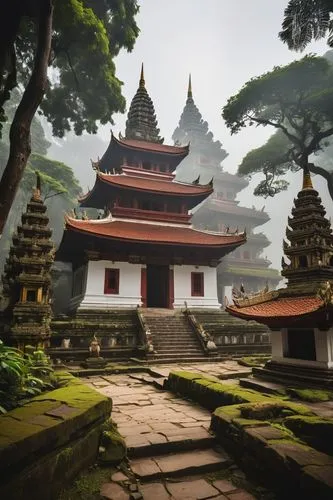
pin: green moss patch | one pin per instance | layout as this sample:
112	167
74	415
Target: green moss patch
49	420
112	445
274	409
316	431
310	395
87	485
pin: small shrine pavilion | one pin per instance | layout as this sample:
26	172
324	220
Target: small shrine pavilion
143	250
299	316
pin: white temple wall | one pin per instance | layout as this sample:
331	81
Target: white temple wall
182	287
129	286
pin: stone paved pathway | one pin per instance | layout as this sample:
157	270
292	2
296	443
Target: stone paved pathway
172	454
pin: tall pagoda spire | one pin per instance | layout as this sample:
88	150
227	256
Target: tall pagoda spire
193	129
141	121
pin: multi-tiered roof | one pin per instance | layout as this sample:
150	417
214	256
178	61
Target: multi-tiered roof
145	209
307	299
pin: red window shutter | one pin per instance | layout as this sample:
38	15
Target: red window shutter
197	285
111	281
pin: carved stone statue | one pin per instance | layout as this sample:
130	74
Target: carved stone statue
94	348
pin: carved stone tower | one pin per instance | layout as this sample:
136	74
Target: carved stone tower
310	247
26	281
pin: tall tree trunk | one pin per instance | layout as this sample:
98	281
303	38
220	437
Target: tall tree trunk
20	140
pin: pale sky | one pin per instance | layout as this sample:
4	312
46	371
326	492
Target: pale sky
223	43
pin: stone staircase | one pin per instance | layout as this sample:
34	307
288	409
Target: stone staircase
173	337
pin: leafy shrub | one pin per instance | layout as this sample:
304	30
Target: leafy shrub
22	375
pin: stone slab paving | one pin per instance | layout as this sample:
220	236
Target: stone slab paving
148	417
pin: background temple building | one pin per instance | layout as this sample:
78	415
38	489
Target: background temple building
221	211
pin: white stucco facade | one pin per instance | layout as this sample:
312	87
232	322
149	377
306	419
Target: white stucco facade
182	287
129	295
93	295
323	345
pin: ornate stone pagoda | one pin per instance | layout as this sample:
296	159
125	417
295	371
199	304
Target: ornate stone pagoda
27	280
143	250
221	211
300	316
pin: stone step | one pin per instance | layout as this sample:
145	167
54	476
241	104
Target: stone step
175	344
155	359
262	385
189	351
182	439
180	464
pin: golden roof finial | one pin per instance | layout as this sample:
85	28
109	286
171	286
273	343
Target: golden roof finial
307	183
142	78
189	90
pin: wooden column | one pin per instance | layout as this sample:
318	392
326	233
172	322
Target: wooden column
144	287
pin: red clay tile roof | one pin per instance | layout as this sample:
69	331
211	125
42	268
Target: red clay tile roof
278	308
152	146
152	233
161	186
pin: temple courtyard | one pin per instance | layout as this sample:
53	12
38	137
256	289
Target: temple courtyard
172	450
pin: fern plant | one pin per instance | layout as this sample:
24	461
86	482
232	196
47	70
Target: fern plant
23	375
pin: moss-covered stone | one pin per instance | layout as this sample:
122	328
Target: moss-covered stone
211	392
112	447
310	395
46	438
316	431
269	410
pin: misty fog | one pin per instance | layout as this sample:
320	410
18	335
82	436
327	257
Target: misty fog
223	44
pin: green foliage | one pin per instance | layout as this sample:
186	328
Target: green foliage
87	35
297	100
306	20
310	395
22	376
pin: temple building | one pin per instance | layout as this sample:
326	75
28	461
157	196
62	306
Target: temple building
299	316
221	211
27	279
143	250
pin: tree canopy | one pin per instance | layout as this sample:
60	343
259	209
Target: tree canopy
307	20
63	49
296	100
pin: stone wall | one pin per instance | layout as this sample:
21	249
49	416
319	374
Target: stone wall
47	441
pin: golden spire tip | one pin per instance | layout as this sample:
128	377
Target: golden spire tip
307	183
142	77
